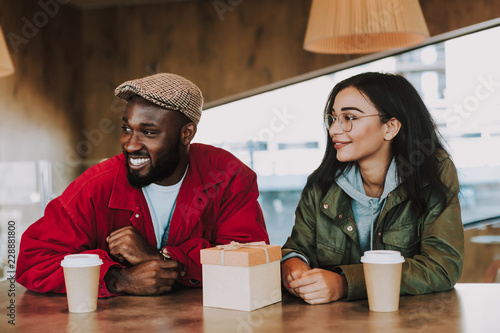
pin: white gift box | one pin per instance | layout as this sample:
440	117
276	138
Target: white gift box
241	276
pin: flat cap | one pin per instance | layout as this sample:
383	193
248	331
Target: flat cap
170	91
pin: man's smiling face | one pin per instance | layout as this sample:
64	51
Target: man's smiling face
150	140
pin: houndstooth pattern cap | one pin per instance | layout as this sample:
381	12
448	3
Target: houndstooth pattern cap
170	91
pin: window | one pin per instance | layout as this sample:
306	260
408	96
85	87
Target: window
279	132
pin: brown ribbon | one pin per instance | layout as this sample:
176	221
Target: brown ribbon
236	245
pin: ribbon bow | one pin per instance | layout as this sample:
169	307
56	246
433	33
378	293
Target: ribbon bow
236	245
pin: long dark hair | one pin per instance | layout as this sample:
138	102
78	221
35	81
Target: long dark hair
414	147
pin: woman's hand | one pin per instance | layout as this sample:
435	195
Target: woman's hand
318	286
291	270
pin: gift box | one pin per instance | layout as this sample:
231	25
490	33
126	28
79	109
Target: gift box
241	276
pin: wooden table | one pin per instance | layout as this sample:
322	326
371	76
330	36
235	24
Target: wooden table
468	308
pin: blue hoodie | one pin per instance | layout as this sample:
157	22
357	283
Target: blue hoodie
366	209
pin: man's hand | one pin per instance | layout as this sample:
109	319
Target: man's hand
127	244
292	269
153	277
320	286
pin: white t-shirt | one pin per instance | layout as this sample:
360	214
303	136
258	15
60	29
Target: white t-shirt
161	202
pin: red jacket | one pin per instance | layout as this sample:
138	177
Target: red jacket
217	203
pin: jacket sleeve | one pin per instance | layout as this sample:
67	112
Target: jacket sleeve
45	243
438	265
302	239
239	219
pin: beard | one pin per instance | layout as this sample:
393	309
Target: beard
162	168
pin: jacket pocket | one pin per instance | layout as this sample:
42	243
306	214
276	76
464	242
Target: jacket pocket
403	237
330	253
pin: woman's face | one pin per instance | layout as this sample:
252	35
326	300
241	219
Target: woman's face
365	141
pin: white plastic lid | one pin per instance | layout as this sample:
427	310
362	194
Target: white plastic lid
81	260
382	257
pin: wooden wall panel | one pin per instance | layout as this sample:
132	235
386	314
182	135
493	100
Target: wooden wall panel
256	43
40	105
62	92
447	15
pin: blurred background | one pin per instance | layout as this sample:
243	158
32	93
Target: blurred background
264	96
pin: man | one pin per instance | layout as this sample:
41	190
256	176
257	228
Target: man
150	210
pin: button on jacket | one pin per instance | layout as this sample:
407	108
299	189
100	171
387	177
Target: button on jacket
217	204
433	244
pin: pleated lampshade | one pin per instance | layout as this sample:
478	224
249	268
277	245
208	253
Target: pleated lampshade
364	26
6	67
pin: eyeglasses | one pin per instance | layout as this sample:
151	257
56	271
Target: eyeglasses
345	120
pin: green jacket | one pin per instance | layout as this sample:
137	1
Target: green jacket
433	244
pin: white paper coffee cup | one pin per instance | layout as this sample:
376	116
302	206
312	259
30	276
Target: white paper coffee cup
81	275
383	279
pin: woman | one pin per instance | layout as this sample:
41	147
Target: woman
385	182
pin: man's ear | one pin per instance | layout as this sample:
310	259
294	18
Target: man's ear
392	129
188	132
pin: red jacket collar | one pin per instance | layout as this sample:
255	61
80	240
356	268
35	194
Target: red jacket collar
201	174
